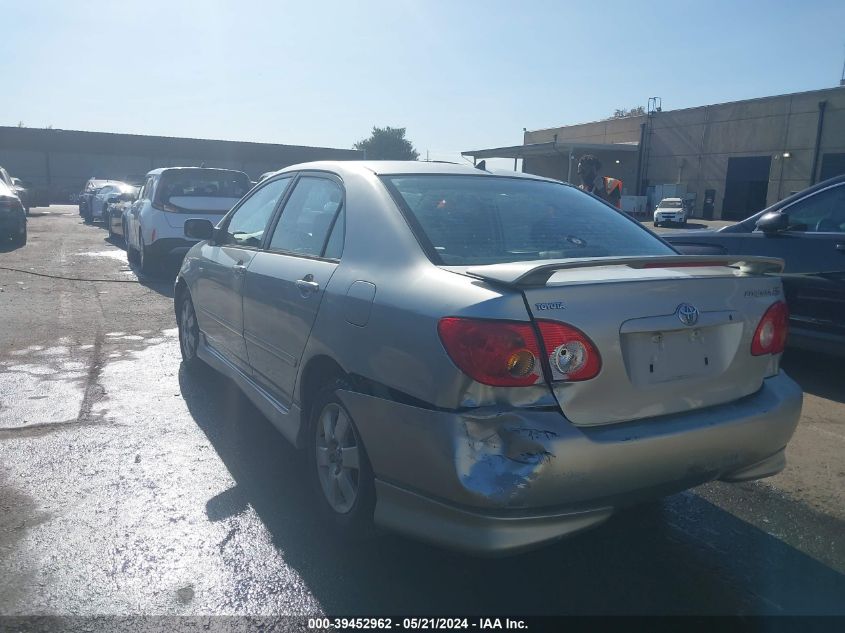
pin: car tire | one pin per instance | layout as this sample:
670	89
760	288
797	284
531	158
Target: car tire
656	223
338	468
189	334
147	263
19	239
131	251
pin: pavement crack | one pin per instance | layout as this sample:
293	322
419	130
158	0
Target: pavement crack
94	391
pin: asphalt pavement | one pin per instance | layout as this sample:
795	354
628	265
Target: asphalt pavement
128	486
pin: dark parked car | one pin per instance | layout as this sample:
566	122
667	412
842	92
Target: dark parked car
23	192
807	230
12	216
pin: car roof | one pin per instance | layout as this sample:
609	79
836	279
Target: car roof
405	167
161	170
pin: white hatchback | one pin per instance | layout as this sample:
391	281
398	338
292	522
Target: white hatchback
154	226
670	210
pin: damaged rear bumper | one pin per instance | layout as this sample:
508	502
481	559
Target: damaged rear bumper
499	481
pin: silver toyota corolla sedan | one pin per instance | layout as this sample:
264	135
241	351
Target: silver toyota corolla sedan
485	361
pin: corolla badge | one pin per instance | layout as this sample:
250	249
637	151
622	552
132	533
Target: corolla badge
687	314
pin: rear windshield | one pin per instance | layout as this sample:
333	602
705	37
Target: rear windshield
469	220
670	204
201	183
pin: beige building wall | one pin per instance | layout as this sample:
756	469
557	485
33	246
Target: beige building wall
692	146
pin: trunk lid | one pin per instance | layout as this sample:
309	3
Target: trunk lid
654	362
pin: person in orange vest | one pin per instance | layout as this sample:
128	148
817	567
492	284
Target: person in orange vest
604	187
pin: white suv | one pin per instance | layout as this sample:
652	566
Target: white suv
670	210
154	225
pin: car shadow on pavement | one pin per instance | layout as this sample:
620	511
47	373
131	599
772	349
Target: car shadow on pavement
818	374
680	556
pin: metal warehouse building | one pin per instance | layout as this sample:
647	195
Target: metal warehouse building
62	160
730	159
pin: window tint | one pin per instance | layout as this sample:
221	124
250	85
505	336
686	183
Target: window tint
247	225
823	212
488	219
307	217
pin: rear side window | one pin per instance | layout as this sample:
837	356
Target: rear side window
470	220
308	218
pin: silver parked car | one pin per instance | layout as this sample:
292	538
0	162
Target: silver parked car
487	362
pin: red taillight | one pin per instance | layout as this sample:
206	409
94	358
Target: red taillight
507	353
770	335
497	353
572	355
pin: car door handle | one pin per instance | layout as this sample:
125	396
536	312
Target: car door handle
307	286
239	268
840	246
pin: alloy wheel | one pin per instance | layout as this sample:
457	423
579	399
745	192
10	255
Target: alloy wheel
338	458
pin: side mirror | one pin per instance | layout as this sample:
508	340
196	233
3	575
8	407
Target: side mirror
197	229
773	222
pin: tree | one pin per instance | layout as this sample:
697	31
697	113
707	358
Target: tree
20	124
621	113
387	143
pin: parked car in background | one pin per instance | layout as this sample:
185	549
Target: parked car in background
100	197
486	362
88	191
670	210
12	216
807	230
116	205
23	192
154	228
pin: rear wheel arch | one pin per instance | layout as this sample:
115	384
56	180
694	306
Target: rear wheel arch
180	292
319	372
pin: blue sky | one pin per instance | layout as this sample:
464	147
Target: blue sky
458	74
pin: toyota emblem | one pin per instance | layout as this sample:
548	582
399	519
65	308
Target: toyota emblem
687	314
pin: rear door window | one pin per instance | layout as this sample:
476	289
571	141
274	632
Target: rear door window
308	217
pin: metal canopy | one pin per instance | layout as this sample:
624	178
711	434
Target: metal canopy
550	148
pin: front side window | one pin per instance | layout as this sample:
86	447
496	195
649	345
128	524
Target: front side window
823	212
247	225
308	217
471	220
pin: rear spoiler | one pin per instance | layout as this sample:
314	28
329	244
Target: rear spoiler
525	274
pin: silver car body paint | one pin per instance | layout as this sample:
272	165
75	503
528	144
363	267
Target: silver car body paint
490	469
